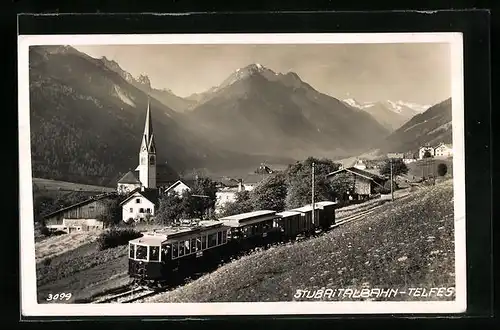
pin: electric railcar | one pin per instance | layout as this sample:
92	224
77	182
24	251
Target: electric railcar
158	257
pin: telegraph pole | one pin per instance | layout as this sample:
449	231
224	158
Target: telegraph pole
312	182
392	188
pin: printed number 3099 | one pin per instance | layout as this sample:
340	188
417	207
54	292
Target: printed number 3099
59	296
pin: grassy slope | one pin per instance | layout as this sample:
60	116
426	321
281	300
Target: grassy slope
409	243
83	271
47	184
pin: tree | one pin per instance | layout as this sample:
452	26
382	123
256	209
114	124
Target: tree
398	167
342	184
270	194
111	215
442	169
170	209
299	179
242	204
195	206
427	154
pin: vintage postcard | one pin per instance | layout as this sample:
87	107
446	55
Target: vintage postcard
241	174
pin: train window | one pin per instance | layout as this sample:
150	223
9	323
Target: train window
203	242
187	250
224	236
198	243
181	249
131	251
193	244
154	253
141	252
219	238
175	250
212	240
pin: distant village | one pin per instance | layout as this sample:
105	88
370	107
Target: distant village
140	190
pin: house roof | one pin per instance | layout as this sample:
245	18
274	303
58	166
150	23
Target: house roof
82	203
177	183
357	171
129	177
150	194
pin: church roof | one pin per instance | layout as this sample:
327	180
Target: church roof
129	177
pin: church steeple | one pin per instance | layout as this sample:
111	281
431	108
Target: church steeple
148	143
147	154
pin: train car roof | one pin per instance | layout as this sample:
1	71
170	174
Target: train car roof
149	240
248	218
288	213
326	203
160	236
303	209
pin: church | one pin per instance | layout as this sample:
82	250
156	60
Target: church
142	186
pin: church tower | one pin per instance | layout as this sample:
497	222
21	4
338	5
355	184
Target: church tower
147	155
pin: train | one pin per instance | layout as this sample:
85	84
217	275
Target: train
164	256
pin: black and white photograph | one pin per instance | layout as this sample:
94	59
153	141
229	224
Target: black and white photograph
242	174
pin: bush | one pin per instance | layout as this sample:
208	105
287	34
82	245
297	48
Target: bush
116	236
442	169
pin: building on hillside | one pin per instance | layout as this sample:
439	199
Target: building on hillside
422	151
364	183
395	155
443	151
128	183
360	164
178	187
140	204
83	216
223	196
410	157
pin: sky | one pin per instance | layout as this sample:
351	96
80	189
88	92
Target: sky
411	72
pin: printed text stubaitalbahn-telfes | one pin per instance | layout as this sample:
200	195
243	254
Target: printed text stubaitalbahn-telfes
435	292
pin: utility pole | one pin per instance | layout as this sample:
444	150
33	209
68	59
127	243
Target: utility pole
312	182
392	179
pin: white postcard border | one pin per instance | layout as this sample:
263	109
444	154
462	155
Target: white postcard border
29	305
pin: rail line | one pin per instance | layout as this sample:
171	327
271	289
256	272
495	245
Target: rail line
127	296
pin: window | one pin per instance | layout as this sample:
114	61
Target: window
219	238
131	251
193	245
141	210
141	252
148	210
154	253
175	250
181	249
137	200
151	160
212	240
187	250
224	236
203	242
131	210
198	244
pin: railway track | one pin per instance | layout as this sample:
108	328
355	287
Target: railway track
127	296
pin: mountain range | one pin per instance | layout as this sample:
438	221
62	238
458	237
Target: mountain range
390	114
87	117
430	127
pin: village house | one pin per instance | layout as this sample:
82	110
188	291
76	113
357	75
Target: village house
364	183
223	196
178	187
422	151
443	151
140	204
360	164
83	216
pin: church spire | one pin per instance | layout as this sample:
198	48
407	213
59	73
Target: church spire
148	125
148	140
